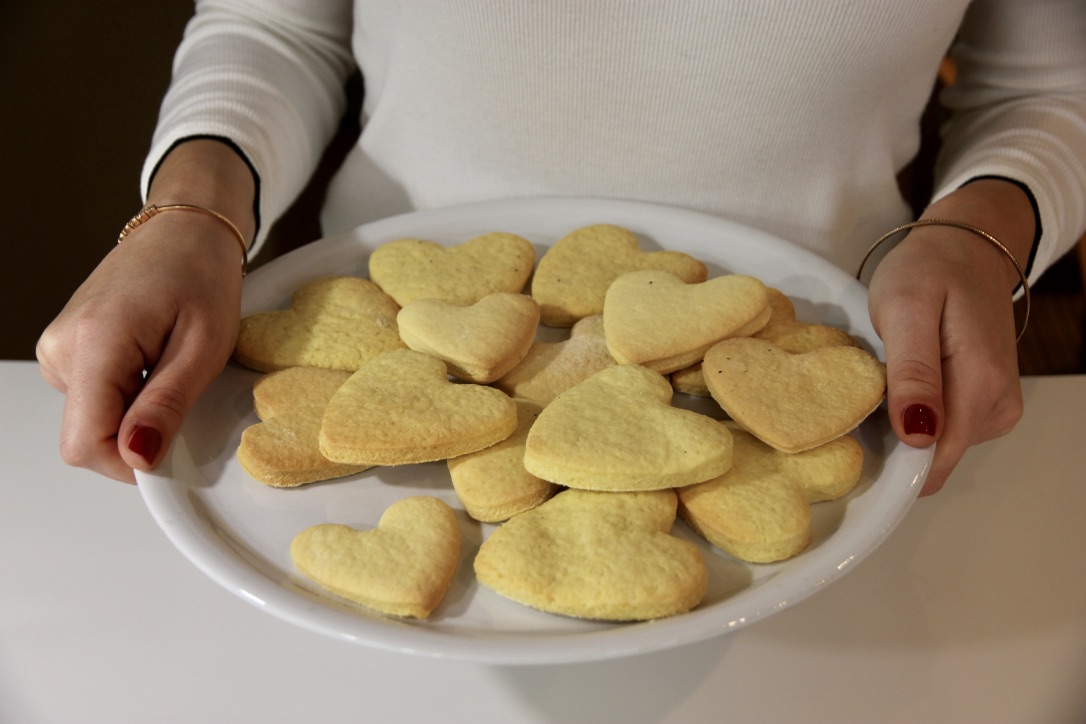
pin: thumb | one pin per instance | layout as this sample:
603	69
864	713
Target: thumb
183	373
914	380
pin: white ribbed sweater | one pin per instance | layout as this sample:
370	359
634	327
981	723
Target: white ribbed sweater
792	116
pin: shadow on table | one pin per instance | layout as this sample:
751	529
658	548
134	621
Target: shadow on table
653	685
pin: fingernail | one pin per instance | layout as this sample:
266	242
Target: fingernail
145	442
919	420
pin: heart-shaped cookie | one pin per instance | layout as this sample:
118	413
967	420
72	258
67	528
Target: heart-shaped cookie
410	269
492	483
782	330
596	555
574	274
618	431
690	381
793	336
283	450
334	322
551	368
794	402
480	342
403	567
759	511
655	319
401	408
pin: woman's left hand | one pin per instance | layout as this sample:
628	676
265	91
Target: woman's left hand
941	302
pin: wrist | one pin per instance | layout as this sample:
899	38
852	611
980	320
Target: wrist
999	207
210	174
150	211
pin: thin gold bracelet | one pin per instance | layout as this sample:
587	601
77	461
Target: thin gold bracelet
151	211
968	227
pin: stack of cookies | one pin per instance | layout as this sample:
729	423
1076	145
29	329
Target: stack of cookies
573	448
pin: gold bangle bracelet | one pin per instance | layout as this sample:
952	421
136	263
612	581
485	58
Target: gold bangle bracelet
151	211
967	227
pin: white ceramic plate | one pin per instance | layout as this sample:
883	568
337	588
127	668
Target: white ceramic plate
238	531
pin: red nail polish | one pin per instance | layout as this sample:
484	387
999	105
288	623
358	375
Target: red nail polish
919	420
145	442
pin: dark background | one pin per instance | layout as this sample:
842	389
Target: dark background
80	101
80	97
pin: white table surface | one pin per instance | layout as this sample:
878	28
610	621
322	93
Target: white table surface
973	610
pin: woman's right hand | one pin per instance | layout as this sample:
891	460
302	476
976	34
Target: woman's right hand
152	326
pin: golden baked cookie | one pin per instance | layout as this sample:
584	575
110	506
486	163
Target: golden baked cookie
595	555
410	269
334	322
401	408
283	449
479	342
759	511
617	431
784	331
551	368
403	567
690	381
492	483
794	402
655	319
574	274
